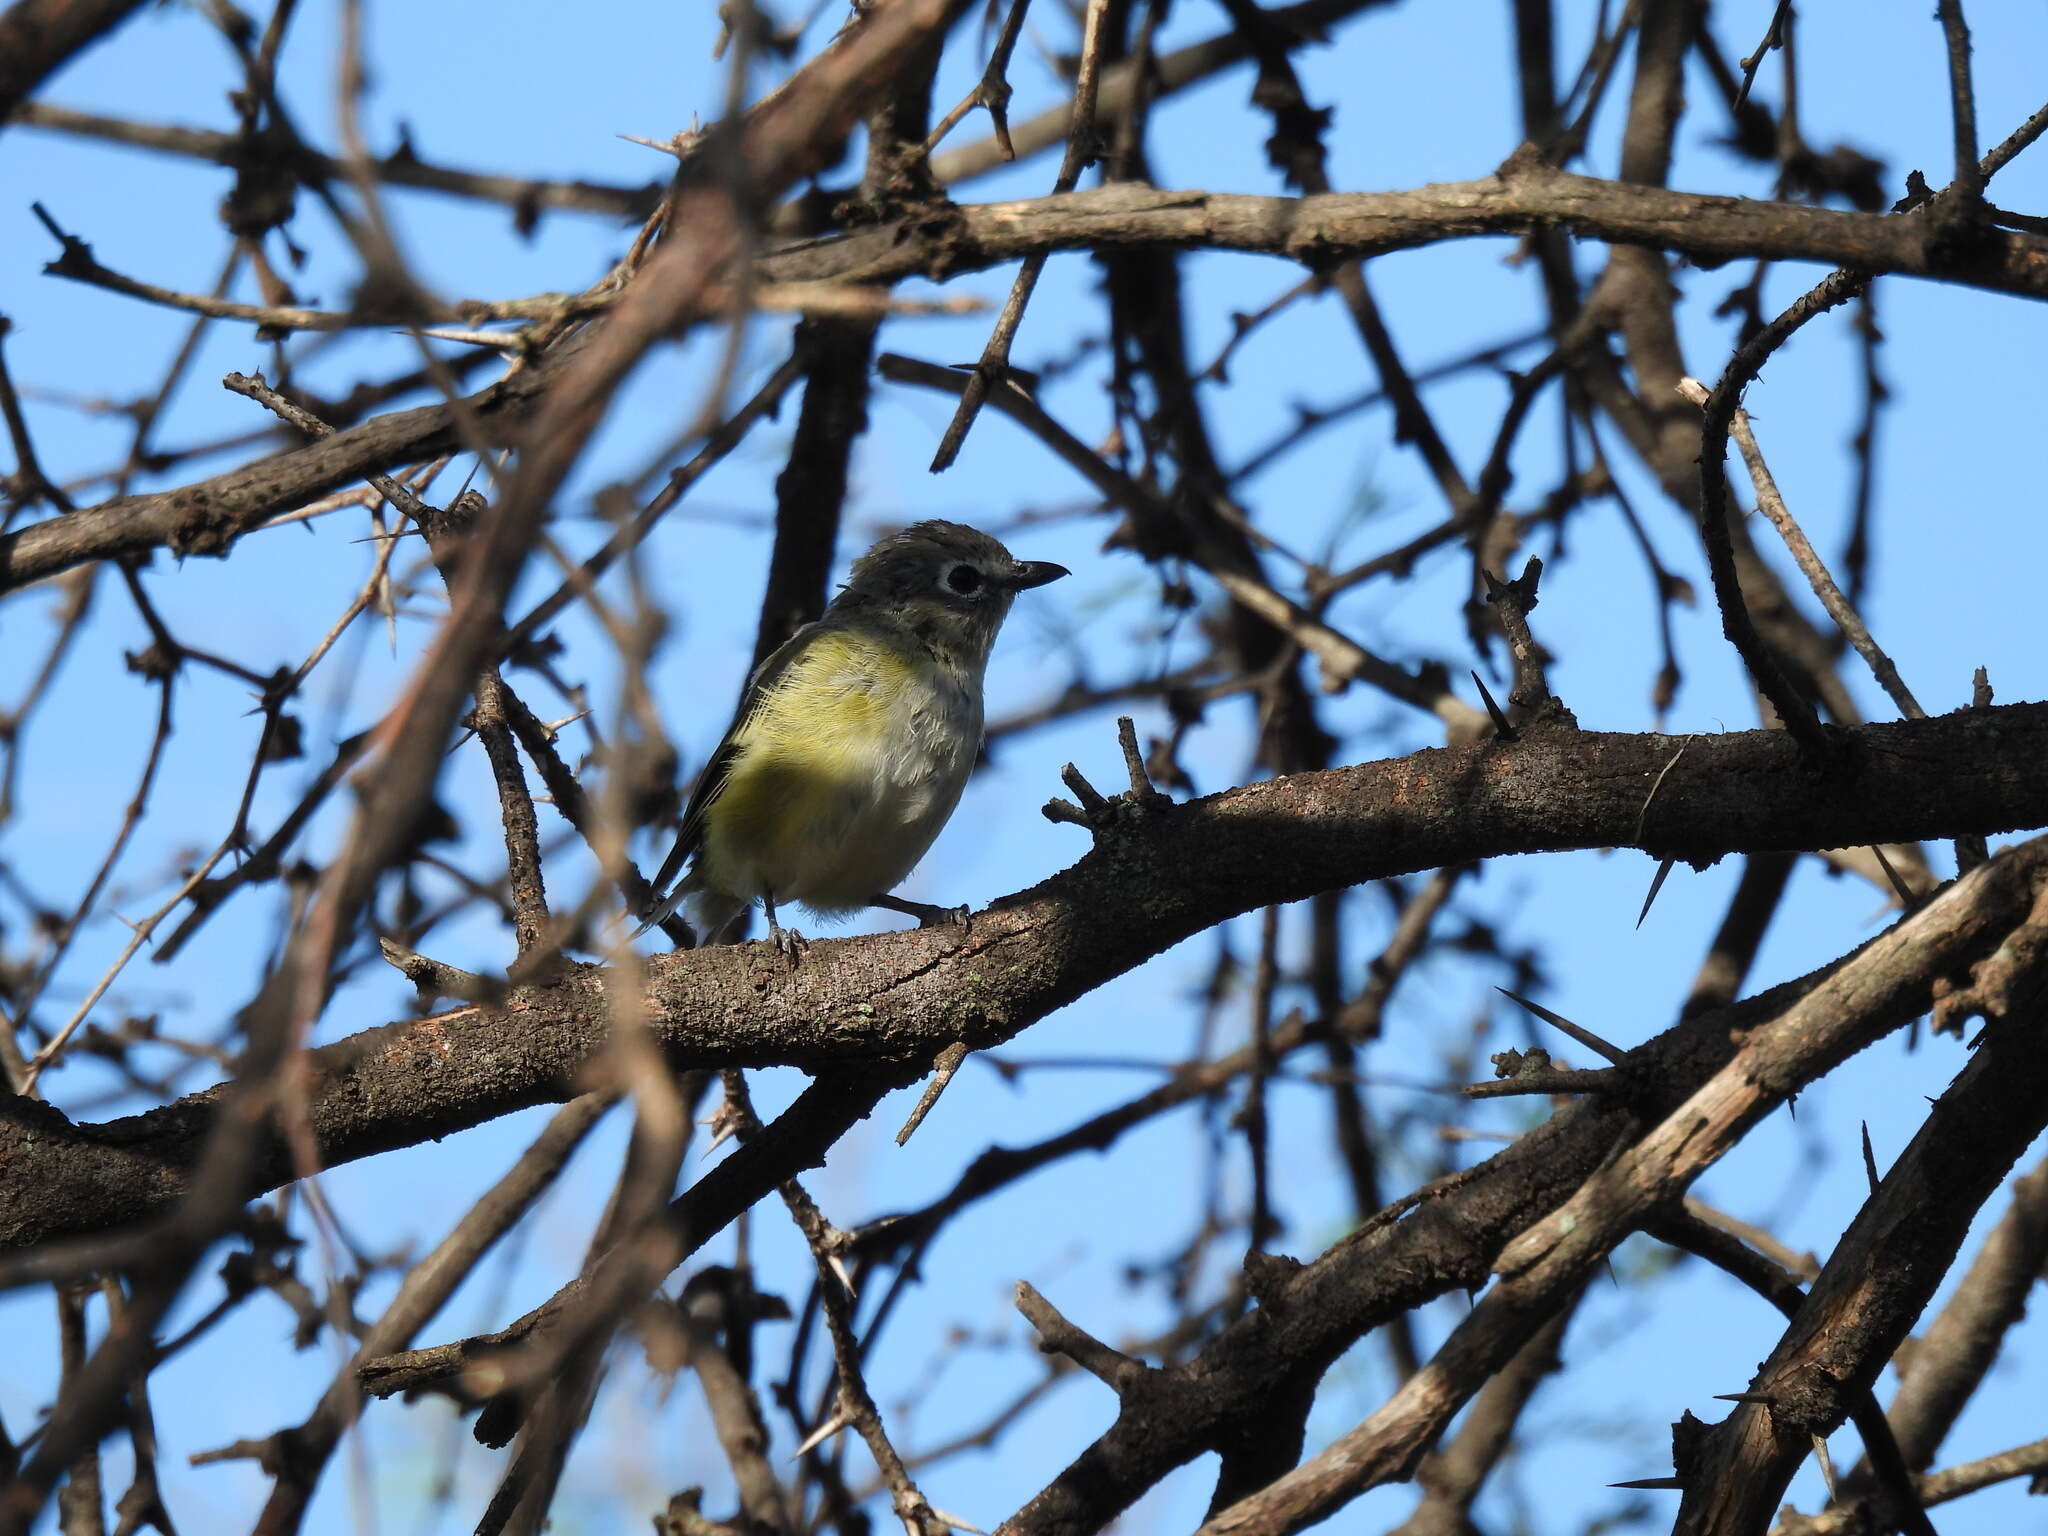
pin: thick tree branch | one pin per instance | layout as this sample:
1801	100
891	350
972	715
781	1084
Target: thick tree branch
1879	988
1321	230
906	996
1960	1346
1317	231
1894	1254
207	517
1509	1217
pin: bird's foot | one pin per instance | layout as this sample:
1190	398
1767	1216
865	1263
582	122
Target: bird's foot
787	941
927	916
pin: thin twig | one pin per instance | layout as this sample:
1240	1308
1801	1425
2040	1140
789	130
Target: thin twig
995	357
1968	185
991	91
942	1073
1772	505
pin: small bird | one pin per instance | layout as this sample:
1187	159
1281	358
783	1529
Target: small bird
852	741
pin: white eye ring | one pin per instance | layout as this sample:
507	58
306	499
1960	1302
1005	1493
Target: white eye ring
964	580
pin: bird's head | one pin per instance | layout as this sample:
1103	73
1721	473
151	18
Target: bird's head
949	584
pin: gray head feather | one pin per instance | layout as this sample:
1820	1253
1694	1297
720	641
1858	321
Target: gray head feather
948	584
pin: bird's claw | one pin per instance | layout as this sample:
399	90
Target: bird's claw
787	941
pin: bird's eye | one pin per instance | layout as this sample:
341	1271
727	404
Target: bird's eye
964	579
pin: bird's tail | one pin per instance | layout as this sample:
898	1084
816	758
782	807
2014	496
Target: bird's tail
712	914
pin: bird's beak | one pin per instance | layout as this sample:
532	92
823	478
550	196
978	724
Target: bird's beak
1035	573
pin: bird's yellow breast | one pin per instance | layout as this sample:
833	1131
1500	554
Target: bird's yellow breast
842	774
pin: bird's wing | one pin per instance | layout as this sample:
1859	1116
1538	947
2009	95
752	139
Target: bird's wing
718	768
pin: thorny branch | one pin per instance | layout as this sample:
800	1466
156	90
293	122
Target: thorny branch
1305	971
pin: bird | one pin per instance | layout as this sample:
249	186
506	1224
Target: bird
851	743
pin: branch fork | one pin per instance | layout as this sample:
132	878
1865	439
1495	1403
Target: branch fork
1101	813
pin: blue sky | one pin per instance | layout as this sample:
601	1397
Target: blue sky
1422	93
